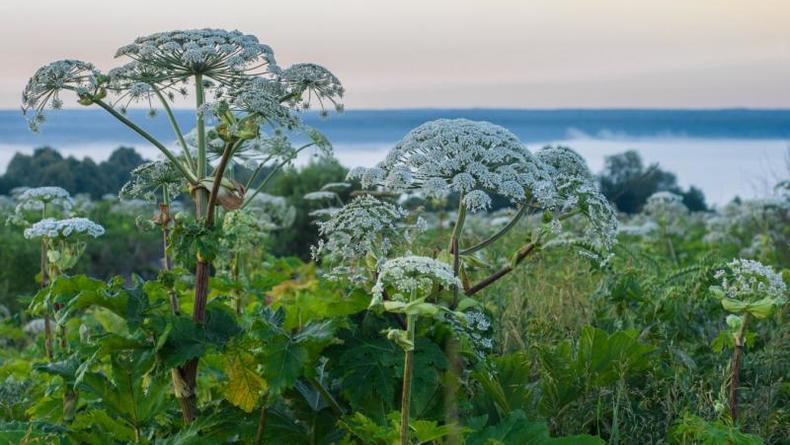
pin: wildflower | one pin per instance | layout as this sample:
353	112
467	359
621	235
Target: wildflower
63	228
365	224
152	178
750	286
34	199
50	80
477	159
316	82
219	54
575	188
412	277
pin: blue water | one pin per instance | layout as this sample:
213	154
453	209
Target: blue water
366	126
726	153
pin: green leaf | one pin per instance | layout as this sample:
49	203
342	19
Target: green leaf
244	384
97	427
283	363
516	429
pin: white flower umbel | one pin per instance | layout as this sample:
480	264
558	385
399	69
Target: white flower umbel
34	199
751	287
744	279
665	205
151	180
63	228
364	225
217	53
476	159
44	88
308	82
412	277
576	190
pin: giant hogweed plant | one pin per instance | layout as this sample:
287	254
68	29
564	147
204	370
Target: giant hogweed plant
237	86
373	240
749	291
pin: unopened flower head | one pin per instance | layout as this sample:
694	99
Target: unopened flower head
44	88
412	277
151	179
216	53
64	228
363	225
477	159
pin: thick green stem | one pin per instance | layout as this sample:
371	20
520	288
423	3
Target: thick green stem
408	365
735	367
271	174
487	242
187	174
176	128
201	198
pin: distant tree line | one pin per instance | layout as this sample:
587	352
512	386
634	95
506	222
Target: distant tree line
46	166
628	183
625	179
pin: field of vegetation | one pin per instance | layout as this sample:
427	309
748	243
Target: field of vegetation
463	291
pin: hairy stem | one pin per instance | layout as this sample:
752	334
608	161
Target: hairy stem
408	365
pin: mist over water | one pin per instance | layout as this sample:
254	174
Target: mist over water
726	153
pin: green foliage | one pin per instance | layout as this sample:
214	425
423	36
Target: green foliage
692	429
517	429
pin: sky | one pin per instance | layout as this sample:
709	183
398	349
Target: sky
454	53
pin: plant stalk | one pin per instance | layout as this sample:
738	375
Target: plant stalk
408	365
735	367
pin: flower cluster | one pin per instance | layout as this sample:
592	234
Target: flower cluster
476	159
364	225
217	53
410	278
316	82
35	199
576	189
151	179
63	228
272	212
263	97
665	207
750	288
43	89
743	279
477	329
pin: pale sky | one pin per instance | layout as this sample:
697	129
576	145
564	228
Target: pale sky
454	53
